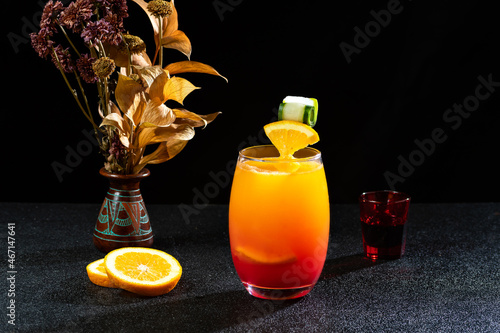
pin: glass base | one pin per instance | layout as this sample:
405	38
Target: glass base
277	293
390	253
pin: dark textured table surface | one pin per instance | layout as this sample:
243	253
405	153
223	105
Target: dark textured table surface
449	280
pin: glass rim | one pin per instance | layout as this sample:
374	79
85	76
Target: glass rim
316	156
403	197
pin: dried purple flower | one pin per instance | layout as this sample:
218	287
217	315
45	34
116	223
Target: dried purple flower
117	25
49	17
41	43
114	7
117	149
77	15
84	65
63	59
103	31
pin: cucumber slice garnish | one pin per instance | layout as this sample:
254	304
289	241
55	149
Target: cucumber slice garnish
302	109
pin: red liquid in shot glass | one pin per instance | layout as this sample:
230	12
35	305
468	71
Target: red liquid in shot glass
383	224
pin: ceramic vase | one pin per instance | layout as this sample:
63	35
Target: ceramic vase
123	220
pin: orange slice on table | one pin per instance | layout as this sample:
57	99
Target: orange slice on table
97	274
288	136
143	271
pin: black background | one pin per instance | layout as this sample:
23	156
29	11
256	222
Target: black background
395	90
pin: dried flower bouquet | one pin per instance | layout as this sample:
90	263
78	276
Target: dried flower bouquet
132	89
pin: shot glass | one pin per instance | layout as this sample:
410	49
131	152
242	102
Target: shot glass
383	223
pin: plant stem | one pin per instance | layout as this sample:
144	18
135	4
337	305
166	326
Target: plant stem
100	89
160	24
73	91
129	64
69	40
106	96
104	85
156	55
82	90
102	52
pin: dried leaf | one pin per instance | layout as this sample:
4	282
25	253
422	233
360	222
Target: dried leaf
165	88
124	140
141	59
170	24
121	58
178	41
148	135
158	115
148	73
130	98
187	117
177	89
157	88
113	51
112	108
191	67
117	121
154	21
164	152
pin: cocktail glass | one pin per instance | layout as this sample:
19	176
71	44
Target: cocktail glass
279	220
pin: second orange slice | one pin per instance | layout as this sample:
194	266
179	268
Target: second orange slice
97	274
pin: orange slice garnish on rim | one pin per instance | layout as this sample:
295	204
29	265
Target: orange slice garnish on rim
289	136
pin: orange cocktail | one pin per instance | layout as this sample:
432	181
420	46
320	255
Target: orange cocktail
279	220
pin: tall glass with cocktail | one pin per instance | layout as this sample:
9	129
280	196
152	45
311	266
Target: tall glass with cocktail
279	214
